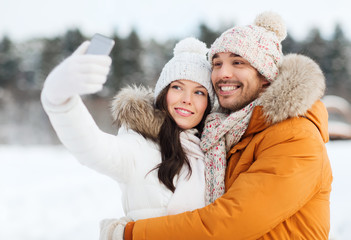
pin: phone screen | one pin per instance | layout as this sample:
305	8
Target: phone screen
100	45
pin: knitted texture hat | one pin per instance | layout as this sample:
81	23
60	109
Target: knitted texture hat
259	44
189	63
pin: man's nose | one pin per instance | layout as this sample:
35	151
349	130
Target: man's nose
225	72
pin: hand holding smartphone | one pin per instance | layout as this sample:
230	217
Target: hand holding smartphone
100	45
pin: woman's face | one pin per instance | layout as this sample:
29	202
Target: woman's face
187	102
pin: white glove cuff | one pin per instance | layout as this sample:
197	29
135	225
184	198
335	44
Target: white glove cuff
64	107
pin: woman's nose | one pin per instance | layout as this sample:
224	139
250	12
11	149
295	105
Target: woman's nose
186	98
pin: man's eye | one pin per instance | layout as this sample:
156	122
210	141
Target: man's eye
237	62
216	64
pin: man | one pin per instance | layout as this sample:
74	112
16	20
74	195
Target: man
272	132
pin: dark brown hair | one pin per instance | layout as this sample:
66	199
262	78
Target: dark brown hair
172	153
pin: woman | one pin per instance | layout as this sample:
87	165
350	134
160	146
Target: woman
155	156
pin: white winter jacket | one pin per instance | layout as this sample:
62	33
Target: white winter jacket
130	156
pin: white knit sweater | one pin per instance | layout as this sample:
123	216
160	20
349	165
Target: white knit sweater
128	158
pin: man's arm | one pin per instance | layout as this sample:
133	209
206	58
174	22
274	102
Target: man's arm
285	175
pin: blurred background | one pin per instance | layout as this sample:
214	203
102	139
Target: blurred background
44	192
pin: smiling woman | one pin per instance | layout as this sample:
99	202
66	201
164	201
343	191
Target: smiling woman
184	93
155	156
187	102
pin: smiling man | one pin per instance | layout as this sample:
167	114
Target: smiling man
236	82
268	175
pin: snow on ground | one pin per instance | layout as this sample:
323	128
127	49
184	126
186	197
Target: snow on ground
45	194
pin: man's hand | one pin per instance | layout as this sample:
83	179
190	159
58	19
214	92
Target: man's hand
78	74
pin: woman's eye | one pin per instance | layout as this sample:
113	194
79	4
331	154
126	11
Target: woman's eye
176	87
200	93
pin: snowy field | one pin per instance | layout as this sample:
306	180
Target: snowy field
45	194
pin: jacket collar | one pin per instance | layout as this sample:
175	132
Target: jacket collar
295	93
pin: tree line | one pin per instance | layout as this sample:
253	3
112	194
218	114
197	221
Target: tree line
24	66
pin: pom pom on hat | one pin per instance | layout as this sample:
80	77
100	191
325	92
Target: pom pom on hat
272	22
190	45
190	63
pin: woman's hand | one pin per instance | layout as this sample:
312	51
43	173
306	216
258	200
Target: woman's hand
79	74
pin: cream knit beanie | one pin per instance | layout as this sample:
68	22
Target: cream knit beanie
190	63
260	44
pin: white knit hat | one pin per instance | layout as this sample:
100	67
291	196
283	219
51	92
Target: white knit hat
190	63
259	44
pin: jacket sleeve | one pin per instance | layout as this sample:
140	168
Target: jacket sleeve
284	176
76	129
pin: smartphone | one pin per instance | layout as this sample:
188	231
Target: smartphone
100	45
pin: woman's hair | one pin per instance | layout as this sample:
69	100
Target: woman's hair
172	153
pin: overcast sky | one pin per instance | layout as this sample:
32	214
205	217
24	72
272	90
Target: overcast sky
161	19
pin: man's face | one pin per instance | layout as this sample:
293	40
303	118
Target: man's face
235	81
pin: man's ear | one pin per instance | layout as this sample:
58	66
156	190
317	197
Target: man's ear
265	83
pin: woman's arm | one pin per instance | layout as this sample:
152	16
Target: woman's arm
77	75
94	148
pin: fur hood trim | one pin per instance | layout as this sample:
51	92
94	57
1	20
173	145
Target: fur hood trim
299	84
133	108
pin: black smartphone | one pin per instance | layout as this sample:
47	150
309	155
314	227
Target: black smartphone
100	45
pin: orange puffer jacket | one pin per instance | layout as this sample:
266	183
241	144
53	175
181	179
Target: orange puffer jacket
278	177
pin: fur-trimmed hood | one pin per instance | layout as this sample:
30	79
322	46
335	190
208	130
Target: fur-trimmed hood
133	108
299	84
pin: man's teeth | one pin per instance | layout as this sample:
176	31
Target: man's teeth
228	88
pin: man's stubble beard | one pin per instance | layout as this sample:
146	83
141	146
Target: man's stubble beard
238	105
